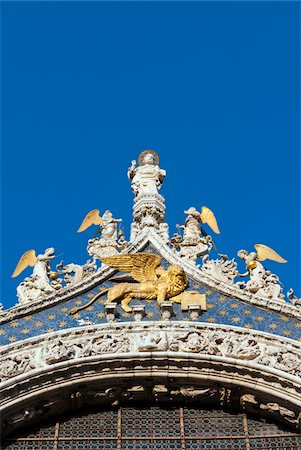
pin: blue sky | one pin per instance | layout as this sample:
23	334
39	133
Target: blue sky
213	87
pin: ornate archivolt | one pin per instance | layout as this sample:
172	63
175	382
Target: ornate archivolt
150	361
222	365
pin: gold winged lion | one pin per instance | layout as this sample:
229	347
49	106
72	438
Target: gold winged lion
153	282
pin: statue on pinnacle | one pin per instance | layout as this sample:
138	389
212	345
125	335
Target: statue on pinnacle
147	178
149	205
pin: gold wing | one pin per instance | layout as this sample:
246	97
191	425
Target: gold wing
28	259
265	252
208	217
142	266
92	218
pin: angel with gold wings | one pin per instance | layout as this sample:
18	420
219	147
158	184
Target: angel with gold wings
192	230
107	224
148	280
107	244
38	283
262	281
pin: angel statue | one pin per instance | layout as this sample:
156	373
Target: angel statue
147	178
146	279
262	281
196	242
38	284
107	244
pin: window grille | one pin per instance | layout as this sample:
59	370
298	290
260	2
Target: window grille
150	428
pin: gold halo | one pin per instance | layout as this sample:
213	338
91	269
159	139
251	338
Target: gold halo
155	155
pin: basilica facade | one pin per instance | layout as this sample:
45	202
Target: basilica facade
158	342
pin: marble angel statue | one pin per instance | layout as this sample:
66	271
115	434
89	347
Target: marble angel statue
262	281
196	242
193	230
147	178
39	283
107	244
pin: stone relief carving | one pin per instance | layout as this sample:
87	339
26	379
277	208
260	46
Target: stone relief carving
282	359
223	269
191	342
251	403
16	365
195	340
150	342
111	343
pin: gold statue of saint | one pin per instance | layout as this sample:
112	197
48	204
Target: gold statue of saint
153	282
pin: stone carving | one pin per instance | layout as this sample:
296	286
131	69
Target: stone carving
107	244
116	394
149	205
147	178
164	393
16	365
281	359
150	342
111	343
195	340
243	348
195	242
262	282
276	408
57	351
191	342
223	269
248	400
191	393
39	284
21	417
122	242
292	298
75	273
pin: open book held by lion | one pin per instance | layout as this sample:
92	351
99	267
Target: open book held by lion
148	281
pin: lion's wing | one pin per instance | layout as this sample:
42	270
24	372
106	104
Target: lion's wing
142	266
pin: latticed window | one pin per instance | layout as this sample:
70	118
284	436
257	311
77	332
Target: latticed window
155	428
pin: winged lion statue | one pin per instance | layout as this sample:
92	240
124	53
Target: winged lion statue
148	280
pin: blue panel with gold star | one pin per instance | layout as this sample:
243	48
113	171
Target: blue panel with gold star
221	309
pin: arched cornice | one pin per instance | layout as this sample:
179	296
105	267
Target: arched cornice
224	365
